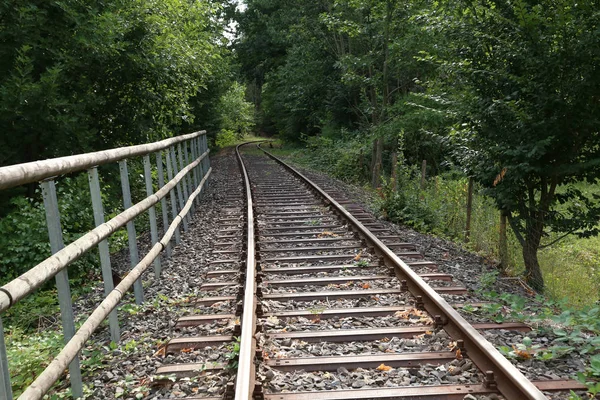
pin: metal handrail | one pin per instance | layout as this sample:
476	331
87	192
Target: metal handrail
52	373
185	177
21	174
28	282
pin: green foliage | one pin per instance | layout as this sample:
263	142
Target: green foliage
522	81
139	66
237	115
29	354
225	138
233	353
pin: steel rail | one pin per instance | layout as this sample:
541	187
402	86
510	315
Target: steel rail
21	174
53	372
511	383
28	282
246	371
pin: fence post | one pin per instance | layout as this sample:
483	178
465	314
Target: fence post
503	242
113	320
194	157
5	386
186	159
131	235
206	160
163	201
469	210
173	197
62	280
198	146
151	212
185	181
179	186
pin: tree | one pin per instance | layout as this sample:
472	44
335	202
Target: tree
523	79
79	76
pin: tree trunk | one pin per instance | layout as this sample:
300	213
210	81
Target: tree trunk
533	273
377	161
503	243
531	244
469	210
394	172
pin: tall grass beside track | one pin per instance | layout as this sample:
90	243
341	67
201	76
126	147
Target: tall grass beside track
571	267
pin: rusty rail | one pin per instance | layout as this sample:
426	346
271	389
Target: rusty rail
246	372
509	380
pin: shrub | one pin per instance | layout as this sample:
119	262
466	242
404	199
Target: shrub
225	138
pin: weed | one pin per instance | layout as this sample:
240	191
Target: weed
317	312
362	263
488	279
233	353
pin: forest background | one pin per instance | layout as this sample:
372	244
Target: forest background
504	92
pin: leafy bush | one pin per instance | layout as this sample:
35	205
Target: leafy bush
225	138
342	157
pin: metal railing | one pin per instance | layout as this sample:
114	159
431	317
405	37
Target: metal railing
186	180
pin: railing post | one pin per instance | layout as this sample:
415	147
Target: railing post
172	192
194	154
207	159
113	320
163	201
62	280
190	176
151	212
5	387
179	186
185	181
131	235
203	162
198	146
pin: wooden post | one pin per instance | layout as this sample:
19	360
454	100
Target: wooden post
423	172
395	172
503	245
469	210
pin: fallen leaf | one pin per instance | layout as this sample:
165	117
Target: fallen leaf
459	355
384	367
366	286
187	350
161	351
524	354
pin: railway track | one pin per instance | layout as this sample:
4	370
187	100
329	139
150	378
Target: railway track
330	304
